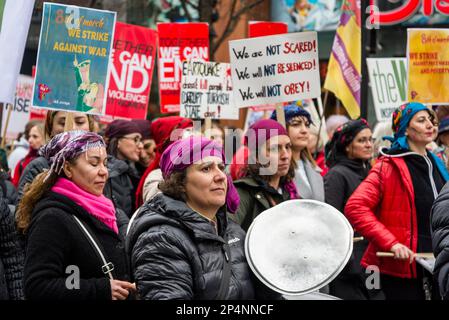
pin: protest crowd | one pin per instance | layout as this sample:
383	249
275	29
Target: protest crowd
136	209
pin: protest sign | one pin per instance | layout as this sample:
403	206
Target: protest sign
15	18
273	69
261	29
428	66
73	58
206	91
178	42
388	79
20	113
131	71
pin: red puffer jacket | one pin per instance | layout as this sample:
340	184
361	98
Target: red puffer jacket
382	209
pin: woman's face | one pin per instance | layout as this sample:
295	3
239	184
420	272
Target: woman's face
147	152
276	156
206	184
421	129
298	131
362	146
444	138
217	135
129	147
80	122
36	140
89	172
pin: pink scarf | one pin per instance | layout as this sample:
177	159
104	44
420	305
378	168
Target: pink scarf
99	207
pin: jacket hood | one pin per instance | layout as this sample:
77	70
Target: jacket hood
165	210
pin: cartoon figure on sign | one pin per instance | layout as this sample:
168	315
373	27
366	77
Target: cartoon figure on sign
43	90
299	12
90	95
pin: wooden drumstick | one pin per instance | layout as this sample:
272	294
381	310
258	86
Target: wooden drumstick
357	239
424	255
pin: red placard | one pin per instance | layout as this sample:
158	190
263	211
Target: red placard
178	42
263	28
131	71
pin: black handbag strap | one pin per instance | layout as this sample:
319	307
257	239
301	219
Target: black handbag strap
226	276
106	267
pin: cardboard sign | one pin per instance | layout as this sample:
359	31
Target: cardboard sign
206	91
273	69
131	71
178	42
73	58
388	79
20	114
261	29
428	66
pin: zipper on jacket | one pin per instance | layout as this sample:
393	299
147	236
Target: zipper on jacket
432	181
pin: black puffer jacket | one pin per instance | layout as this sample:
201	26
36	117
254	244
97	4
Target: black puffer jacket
11	256
439	220
176	253
119	187
55	242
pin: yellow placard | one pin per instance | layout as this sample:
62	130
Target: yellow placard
428	66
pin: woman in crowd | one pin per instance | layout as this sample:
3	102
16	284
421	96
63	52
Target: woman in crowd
391	207
60	210
11	255
443	141
54	124
165	131
348	157
124	146
180	240
148	145
269	174
35	141
308	179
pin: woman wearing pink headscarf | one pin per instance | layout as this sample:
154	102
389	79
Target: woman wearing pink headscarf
179	240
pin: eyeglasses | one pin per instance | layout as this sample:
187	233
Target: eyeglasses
136	139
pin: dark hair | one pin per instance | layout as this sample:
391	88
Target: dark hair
174	185
252	169
51	116
112	145
30	125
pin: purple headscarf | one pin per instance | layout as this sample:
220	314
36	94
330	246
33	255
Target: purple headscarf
183	153
67	146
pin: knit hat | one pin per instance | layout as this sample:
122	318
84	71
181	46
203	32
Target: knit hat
292	111
444	126
120	128
144	127
262	131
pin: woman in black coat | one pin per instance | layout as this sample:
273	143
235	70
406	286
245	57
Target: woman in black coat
11	256
348	155
182	244
64	216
